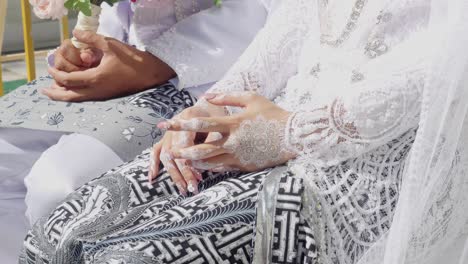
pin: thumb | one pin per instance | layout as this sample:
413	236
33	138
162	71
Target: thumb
90	38
91	56
239	99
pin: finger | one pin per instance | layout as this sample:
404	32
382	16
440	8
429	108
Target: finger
182	140
171	168
197	173
200	124
188	175
224	161
57	86
154	162
201	151
91	57
73	79
157	149
239	99
91	38
65	95
70	53
62	64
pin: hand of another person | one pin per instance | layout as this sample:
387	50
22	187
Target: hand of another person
122	70
252	140
184	176
68	58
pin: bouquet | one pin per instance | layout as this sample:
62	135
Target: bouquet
89	12
88	16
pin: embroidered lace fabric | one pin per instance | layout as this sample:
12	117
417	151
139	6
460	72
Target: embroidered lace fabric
356	104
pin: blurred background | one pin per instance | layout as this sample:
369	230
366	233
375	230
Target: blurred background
45	35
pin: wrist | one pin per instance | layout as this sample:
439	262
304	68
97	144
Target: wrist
290	140
285	118
162	72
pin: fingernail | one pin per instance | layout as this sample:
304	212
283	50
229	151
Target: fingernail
197	174
164	125
209	96
193	187
215	136
150	180
151	160
219	169
150	176
181	189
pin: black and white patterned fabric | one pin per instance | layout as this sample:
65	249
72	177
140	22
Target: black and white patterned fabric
121	218
127	125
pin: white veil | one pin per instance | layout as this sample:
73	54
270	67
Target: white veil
430	224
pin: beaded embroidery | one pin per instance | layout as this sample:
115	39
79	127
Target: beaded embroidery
350	25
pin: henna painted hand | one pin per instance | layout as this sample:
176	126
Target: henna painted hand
252	140
184	176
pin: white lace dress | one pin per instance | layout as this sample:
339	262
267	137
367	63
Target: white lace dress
352	75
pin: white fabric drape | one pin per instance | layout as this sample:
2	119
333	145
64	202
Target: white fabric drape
19	149
430	224
398	65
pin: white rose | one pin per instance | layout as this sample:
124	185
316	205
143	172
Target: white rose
46	9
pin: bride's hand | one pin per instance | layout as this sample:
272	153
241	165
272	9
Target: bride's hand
252	140
183	175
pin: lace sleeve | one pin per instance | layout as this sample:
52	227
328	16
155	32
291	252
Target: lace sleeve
375	112
273	55
201	48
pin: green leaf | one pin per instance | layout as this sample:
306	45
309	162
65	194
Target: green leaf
69	4
84	6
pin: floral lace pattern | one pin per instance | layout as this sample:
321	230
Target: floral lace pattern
355	110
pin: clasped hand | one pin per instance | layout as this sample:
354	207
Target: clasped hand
249	141
107	70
